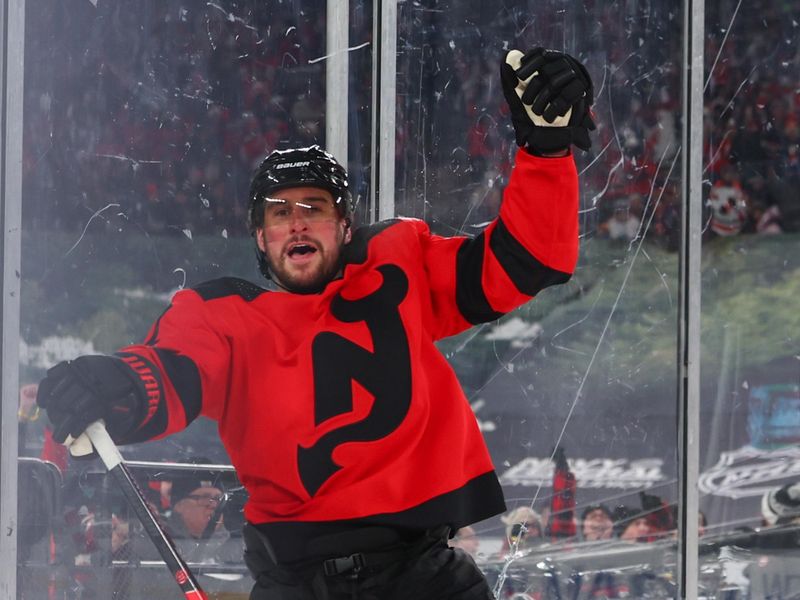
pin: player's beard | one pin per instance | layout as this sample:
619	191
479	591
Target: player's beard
302	283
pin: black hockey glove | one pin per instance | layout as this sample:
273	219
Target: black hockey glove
77	392
233	513
550	95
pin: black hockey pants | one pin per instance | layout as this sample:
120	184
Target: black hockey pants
426	569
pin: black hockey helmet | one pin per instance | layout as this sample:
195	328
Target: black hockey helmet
296	167
310	166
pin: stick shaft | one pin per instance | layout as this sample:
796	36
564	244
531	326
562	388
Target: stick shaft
112	459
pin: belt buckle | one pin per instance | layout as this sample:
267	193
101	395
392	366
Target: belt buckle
344	564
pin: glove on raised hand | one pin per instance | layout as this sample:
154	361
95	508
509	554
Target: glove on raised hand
550	95
78	392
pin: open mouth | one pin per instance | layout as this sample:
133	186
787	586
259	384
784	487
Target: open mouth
301	250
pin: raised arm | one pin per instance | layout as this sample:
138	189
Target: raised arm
533	243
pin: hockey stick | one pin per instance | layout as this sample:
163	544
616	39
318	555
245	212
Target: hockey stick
112	459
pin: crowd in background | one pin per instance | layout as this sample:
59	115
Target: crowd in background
751	177
165	111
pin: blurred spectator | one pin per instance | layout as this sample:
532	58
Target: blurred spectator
630	524
28	409
194	501
139	99
523	529
780	517
195	520
624	224
307	116
42	439
727	204
667	218
120	537
782	194
466	539
782	505
561	521
597	523
658	514
702	521
766	220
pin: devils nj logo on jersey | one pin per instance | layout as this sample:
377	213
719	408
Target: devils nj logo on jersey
384	373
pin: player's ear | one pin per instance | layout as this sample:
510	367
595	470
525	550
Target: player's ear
348	230
262	244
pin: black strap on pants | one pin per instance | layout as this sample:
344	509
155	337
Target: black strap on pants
423	569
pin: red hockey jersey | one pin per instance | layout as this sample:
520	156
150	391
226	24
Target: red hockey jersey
337	406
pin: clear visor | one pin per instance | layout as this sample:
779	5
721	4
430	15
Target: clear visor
279	212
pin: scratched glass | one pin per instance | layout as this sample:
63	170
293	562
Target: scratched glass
205	499
283	213
750	409
143	122
589	366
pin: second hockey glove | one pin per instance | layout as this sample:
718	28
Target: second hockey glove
550	95
78	392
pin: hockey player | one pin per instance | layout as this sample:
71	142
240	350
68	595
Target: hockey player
347	427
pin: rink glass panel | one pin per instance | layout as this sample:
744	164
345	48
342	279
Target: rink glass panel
142	124
750	375
589	366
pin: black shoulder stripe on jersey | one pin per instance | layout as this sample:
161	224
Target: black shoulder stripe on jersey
228	286
470	298
355	253
152	396
525	271
185	378
209	290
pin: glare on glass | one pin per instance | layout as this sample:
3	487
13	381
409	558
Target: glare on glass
204	499
279	212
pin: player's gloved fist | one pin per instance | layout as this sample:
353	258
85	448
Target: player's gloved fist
78	392
550	95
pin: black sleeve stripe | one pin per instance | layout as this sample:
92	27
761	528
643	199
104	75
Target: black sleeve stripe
185	378
228	286
470	299
525	271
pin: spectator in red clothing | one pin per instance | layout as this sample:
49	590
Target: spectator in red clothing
561	523
658	514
